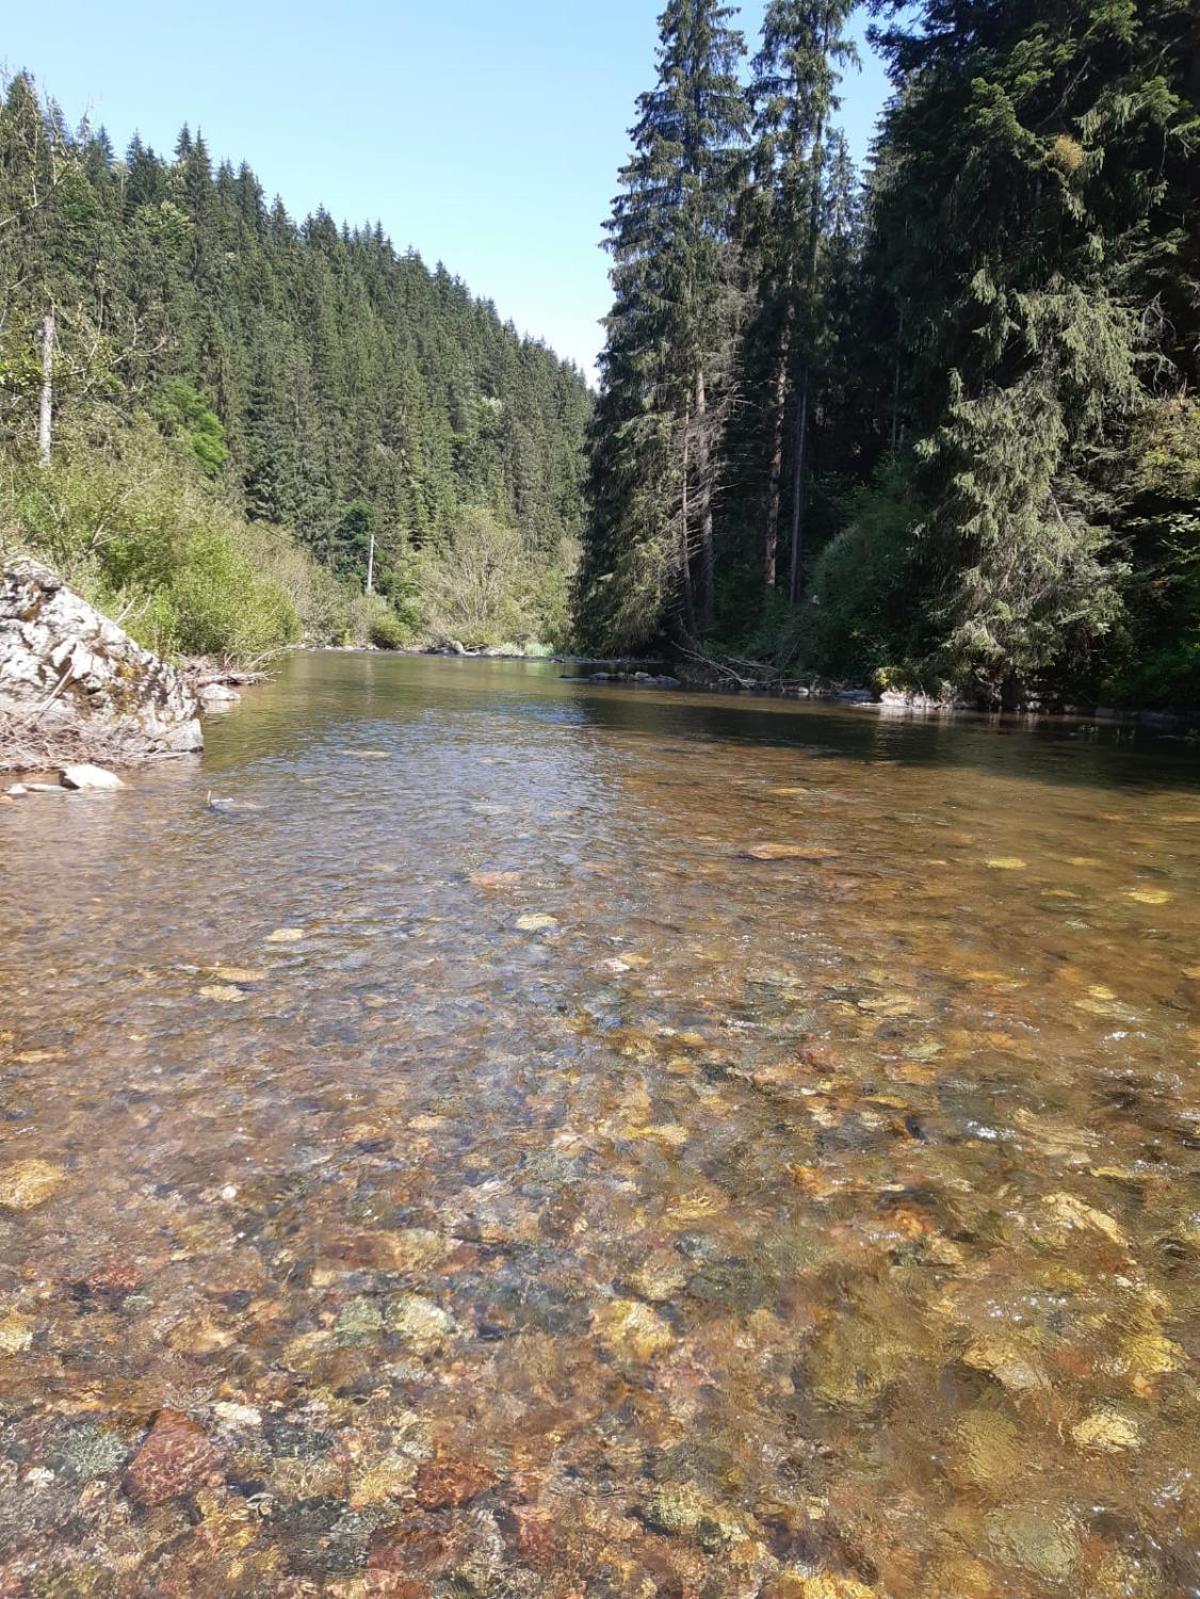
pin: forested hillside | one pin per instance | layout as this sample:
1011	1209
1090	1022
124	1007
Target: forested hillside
939	422
299	376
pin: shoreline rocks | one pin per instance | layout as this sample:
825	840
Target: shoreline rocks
75	689
89	777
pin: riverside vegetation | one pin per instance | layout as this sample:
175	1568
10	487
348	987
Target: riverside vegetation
940	425
936	425
243	404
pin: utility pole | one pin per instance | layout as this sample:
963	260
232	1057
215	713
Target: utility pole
371	567
46	408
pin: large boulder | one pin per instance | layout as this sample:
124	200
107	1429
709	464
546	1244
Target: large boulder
74	684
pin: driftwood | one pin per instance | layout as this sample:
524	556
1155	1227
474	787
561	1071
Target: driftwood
203	671
29	746
721	667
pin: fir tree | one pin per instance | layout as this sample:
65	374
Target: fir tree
666	366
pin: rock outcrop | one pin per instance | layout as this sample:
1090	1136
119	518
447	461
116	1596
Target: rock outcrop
74	686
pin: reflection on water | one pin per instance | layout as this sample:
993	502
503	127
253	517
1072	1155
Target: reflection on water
454	1164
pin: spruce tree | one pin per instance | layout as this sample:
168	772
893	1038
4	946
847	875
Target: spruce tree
794	94
666	369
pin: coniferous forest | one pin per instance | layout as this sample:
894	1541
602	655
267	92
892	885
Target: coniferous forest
935	422
241	401
932	425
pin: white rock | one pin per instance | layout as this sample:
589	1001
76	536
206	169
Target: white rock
69	668
218	696
237	1415
88	777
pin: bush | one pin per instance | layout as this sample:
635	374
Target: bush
484	587
125	516
860	609
387	631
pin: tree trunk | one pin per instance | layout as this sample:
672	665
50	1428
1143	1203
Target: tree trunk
371	567
779	385
46	407
775	492
704	477
896	388
800	453
685	554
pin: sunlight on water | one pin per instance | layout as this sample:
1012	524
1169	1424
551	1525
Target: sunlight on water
533	1138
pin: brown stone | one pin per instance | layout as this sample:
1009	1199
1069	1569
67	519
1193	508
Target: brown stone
176	1458
113	1279
409	1549
533	1535
448	1484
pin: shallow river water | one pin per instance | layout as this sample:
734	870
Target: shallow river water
533	1138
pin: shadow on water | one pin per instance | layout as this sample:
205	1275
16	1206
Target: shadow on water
323	692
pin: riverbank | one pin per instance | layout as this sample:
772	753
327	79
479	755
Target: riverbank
712	678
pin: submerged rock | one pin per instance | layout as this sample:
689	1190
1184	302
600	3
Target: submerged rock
70	678
683	1511
176	1458
217	696
29	1183
631	1330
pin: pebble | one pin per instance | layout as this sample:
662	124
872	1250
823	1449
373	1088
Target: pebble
632	1330
29	1183
222	993
175	1459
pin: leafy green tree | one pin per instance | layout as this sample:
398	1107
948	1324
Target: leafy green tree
183	412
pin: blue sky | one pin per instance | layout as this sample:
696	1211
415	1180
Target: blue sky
488	136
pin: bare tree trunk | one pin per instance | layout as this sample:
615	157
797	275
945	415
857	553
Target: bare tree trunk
800	454
46	407
685	530
371	567
779	384
775	492
704	474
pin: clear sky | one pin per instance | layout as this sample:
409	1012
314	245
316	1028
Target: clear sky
487	135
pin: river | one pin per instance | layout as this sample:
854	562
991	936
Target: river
479	1134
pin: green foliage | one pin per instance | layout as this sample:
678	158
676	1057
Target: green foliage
152	546
332	384
999	348
483	588
860	616
655	464
350	545
182	412
385	629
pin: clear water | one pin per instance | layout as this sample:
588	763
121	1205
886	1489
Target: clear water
452	1163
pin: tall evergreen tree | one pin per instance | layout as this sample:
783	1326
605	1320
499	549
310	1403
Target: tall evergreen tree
666	369
794	94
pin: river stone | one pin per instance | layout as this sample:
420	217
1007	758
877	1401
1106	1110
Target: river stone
89	777
83	677
29	1183
217	696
